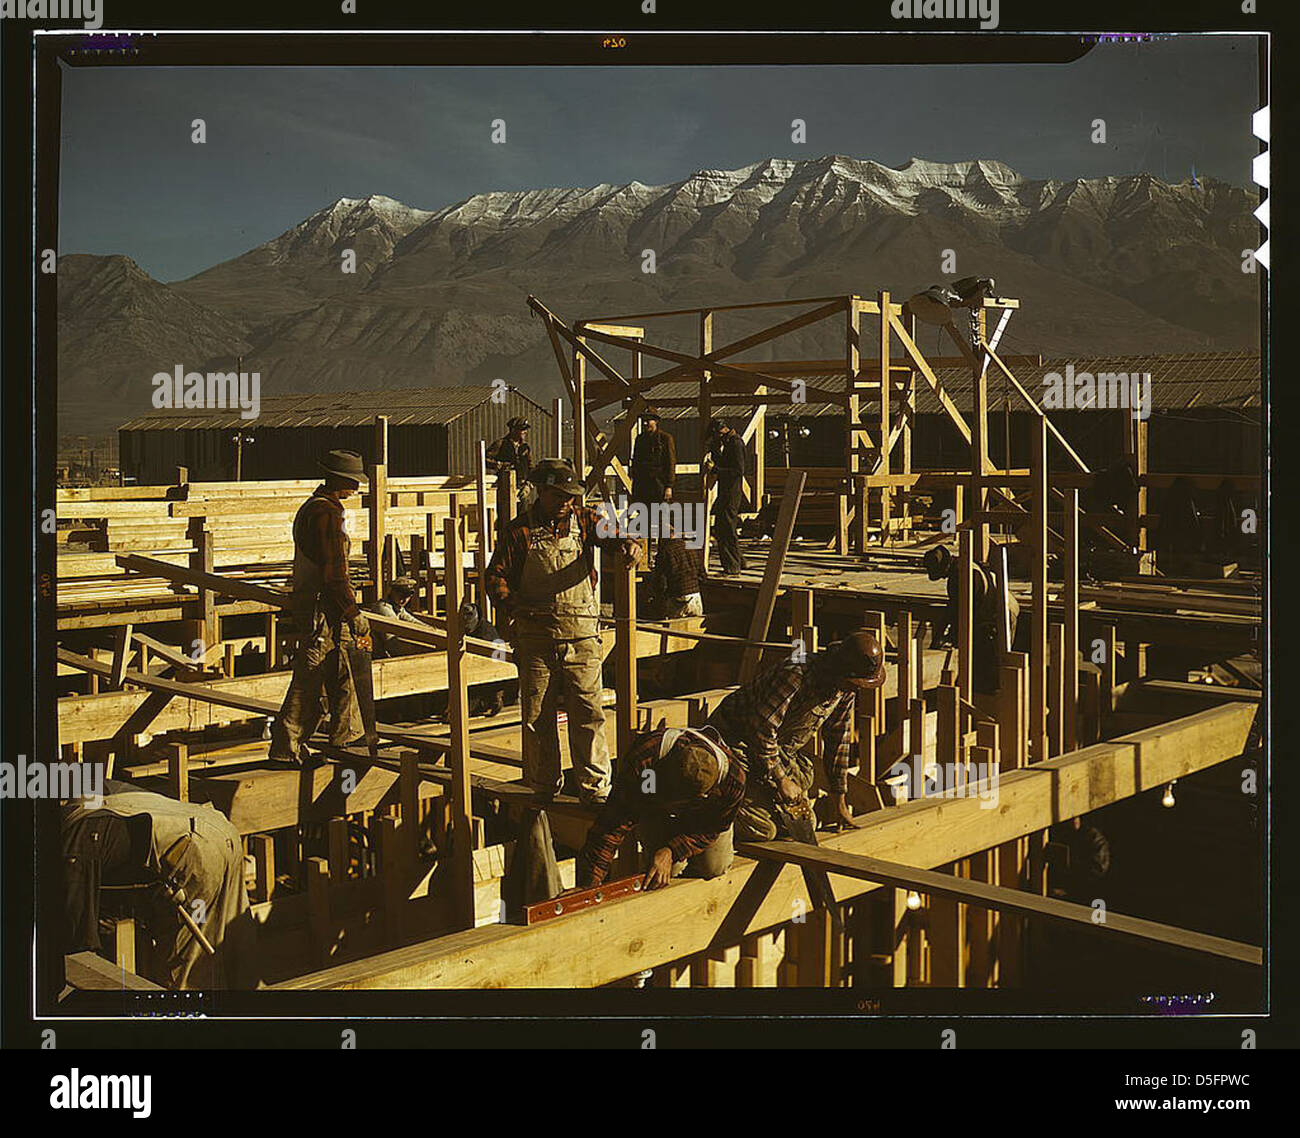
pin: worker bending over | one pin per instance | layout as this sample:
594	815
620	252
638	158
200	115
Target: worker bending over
679	789
772	721
396	606
543	578
986	614
674	582
326	615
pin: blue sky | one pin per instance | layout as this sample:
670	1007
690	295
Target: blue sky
284	142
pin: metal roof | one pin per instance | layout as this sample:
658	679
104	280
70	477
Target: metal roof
417	406
1178	382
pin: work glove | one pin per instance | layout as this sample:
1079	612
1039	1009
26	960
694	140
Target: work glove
360	625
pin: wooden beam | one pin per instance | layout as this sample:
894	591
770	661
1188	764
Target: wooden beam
766	602
616	939
971	891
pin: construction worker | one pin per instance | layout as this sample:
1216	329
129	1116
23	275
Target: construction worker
986	614
484	699
726	459
512	451
679	789
395	606
326	615
654	462
543	578
772	720
674	582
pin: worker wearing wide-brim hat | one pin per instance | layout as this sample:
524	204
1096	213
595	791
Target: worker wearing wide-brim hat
543	577
325	614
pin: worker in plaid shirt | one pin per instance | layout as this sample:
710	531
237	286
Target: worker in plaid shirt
679	789
772	721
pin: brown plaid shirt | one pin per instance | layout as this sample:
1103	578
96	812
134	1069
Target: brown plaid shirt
697	826
760	715
677	570
318	532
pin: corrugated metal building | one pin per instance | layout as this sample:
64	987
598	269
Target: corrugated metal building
1206	416
431	430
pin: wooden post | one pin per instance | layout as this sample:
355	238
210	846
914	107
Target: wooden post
431	547
462	838
1106	634
557	429
854	431
419	571
625	657
484	545
1038	573
205	626
886	416
907	663
580	411
378	508
1135	449
272	640
1070	677
178	771
965	614
262	847
979	439
1056	690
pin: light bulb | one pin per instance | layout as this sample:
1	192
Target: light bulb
913	901
1168	800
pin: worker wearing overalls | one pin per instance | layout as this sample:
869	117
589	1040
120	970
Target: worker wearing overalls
543	577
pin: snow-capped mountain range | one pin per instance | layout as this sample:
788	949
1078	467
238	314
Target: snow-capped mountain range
1113	264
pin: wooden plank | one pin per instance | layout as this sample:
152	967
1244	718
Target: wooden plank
122	654
670	924
90	972
977	892
766	602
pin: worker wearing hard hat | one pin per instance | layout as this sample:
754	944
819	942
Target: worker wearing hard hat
772	720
